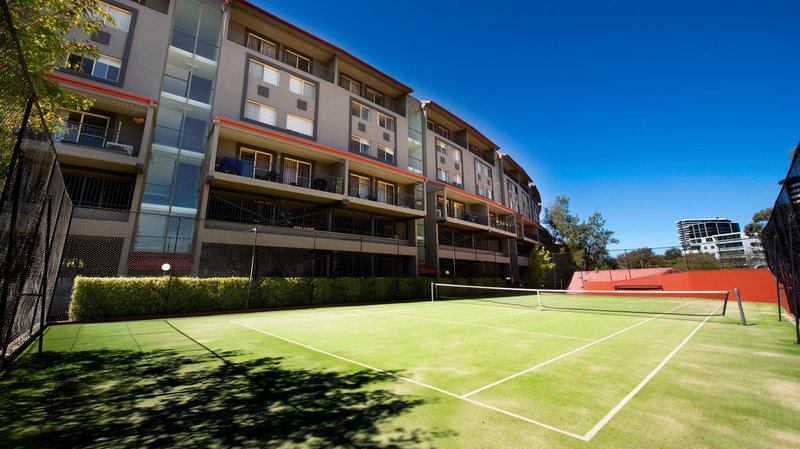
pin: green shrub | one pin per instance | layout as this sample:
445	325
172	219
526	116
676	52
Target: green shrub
101	298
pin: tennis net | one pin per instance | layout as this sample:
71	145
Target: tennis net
693	303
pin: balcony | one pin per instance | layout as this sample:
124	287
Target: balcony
280	174
105	139
503	226
488	158
461	214
392	198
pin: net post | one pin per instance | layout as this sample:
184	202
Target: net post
739	302
725	303
539	299
432	290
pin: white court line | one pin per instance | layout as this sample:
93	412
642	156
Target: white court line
412	381
494	384
406	379
462	323
641	385
497	316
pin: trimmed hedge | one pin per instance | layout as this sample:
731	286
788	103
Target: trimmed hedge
102	298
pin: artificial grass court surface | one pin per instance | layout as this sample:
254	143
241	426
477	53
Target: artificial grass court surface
455	374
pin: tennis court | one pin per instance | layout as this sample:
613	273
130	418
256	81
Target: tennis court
491	371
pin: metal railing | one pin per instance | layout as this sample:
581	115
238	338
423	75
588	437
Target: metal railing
280	174
106	139
489	158
502	225
392	198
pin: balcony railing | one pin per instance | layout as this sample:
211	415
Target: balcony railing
502	225
461	214
280	174
511	176
392	198
485	156
107	139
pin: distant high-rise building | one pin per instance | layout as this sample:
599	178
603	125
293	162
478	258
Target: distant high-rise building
692	232
722	238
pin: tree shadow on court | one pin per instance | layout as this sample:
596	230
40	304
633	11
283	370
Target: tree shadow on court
110	398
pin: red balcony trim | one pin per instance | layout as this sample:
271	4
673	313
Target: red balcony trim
316	146
60	77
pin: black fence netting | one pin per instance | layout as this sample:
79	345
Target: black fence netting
34	205
105	242
781	238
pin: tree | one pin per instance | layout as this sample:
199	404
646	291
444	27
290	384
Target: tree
541	262
586	240
640	258
42	27
760	219
698	261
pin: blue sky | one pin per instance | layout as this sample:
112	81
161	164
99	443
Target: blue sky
647	111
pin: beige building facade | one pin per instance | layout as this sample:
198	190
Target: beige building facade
226	140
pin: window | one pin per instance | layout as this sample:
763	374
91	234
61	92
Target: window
350	84
386	154
359	186
386	192
104	67
483	169
441	147
375	97
302	87
260	113
262	46
458	210
431	125
296	173
441	174
257	164
264	72
360	111
121	18
359	144
84	129
457	180
297	61
385	122
456	155
299	124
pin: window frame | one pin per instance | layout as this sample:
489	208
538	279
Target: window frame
301	119
386	119
439	171
306	87
266	68
244	112
389	151
350	82
261	41
360	142
362	108
374	96
299	57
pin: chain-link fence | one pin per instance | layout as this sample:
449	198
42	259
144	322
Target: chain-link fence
34	205
620	264
782	238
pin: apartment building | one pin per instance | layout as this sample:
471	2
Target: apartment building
693	232
224	140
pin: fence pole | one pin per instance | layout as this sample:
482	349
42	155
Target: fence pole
792	225
18	161
46	270
778	285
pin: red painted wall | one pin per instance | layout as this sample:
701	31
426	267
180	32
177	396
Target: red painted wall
754	285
